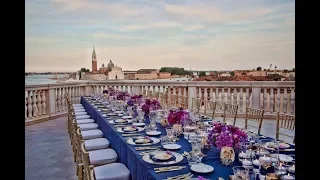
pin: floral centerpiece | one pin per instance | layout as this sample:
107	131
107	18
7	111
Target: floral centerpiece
130	102
227	138
121	95
136	99
180	116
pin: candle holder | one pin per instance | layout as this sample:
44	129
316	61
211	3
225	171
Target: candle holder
287	177
177	129
291	169
272	176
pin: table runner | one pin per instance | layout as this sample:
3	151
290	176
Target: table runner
141	170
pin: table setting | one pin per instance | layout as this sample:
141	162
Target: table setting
158	143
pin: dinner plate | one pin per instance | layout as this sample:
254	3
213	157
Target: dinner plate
126	117
120	115
154	141
139	130
113	122
178	158
153	133
138	124
171	146
285	158
201	168
118	112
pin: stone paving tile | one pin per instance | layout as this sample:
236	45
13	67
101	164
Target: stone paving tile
48	153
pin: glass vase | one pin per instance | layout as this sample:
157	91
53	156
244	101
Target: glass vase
227	155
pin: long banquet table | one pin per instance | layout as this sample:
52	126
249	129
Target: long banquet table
141	170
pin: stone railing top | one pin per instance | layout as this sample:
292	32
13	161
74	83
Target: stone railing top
231	84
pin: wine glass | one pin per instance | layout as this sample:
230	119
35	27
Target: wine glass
240	173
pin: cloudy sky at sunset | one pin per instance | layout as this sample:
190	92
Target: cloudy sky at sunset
201	34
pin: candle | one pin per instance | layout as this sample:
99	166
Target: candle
256	162
265	160
292	169
242	155
288	177
246	163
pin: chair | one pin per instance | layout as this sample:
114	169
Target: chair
111	171
196	105
288	122
254	115
211	107
230	110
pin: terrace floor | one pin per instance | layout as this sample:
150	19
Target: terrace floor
48	153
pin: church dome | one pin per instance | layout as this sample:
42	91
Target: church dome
110	65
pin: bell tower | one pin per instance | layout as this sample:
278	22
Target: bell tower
94	61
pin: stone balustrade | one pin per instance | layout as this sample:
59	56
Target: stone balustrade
48	101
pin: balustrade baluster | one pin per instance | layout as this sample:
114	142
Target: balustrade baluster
285	101
265	99
217	98
34	104
229	96
44	104
205	98
271	109
223	101
292	101
58	100
278	99
63	101
241	100
247	97
235	97
39	103
29	100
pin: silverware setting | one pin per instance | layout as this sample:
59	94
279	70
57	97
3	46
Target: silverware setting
133	134
167	169
147	148
181	177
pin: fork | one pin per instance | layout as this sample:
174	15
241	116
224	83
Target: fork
179	176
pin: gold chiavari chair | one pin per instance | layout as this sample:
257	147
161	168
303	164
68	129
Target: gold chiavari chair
288	122
254	115
196	105
107	171
184	102
210	107
172	100
230	110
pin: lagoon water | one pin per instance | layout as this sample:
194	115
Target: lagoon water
42	79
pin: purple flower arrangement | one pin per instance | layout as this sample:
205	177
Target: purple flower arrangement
121	95
136	98
226	135
150	105
178	116
130	102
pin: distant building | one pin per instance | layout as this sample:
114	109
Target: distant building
129	74
115	73
257	73
147	74
94	74
164	75
103	69
224	74
110	65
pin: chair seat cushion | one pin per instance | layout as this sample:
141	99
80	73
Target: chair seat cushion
79	110
85	121
114	171
82	117
77	105
102	156
91	134
80	113
94	144
88	126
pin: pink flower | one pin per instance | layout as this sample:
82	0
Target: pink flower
168	152
201	178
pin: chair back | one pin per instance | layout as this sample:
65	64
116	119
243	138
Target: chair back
210	107
288	122
256	116
86	162
196	105
230	110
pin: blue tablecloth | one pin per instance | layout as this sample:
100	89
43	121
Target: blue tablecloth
141	170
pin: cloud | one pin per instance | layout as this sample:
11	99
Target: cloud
213	14
102	35
40	40
163	24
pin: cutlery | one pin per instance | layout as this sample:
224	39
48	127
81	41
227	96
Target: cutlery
179	176
131	134
147	152
168	170
147	148
161	168
186	178
289	149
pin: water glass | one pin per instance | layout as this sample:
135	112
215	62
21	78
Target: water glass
240	173
164	140
193	158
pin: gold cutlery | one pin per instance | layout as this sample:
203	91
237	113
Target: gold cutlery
168	170
131	134
179	176
147	152
186	178
166	167
146	148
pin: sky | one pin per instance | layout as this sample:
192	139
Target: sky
136	34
